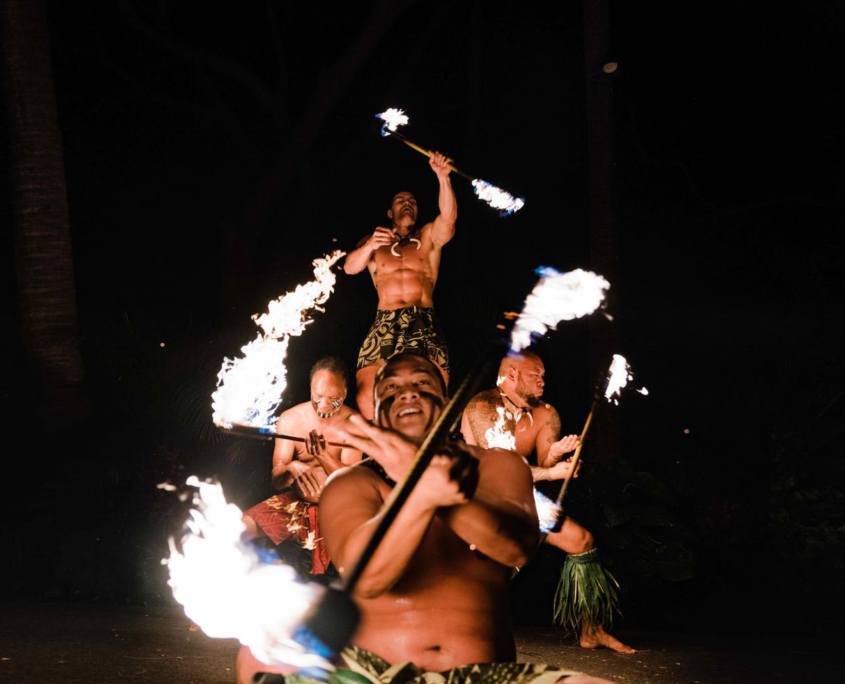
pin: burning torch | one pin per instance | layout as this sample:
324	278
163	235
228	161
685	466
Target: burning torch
610	389
487	192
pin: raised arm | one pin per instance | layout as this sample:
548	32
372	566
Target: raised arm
500	520
443	228
357	260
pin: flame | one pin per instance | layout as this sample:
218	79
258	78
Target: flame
617	378
393	118
249	389
547	511
497	198
499	436
557	297
229	592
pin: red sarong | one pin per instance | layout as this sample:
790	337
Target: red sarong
286	516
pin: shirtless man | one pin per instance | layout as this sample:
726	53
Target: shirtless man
434	595
300	469
404	261
536	428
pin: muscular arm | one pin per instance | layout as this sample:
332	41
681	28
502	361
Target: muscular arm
350	511
500	519
443	228
470	428
283	453
479	416
547	435
357	260
550	447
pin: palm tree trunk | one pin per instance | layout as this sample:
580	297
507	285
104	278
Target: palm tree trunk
604	253
43	258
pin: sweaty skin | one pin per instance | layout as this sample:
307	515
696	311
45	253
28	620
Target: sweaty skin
519	391
409	278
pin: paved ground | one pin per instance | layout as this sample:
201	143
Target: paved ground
82	643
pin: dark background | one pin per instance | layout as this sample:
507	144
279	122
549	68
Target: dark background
211	153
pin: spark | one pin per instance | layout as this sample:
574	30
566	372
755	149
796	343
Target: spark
167	487
229	592
250	388
393	118
497	198
557	297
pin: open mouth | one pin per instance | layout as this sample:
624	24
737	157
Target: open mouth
409	411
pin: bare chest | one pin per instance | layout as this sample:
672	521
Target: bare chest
410	257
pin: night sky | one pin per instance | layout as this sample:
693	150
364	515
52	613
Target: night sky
212	152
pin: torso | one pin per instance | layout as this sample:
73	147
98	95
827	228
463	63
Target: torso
409	279
449	612
483	416
299	421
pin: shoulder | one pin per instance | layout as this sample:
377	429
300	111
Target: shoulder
296	414
426	237
346	412
357	478
546	412
484	399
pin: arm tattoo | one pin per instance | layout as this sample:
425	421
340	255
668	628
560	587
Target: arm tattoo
482	416
553	424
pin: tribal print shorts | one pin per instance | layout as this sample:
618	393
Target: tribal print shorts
371	668
399	330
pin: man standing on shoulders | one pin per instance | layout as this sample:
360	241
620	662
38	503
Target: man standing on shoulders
404	261
300	469
587	595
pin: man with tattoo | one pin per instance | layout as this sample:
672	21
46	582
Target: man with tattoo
433	598
517	407
404	261
300	469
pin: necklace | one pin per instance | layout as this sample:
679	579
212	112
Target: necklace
401	242
518	411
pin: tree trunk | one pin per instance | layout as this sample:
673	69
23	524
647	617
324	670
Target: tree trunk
604	255
44	264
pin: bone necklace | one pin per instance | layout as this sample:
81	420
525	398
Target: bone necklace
401	242
519	411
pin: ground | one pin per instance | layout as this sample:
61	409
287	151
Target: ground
75	643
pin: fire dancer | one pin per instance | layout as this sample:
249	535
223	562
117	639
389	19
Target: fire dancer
403	261
586	599
434	596
300	469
